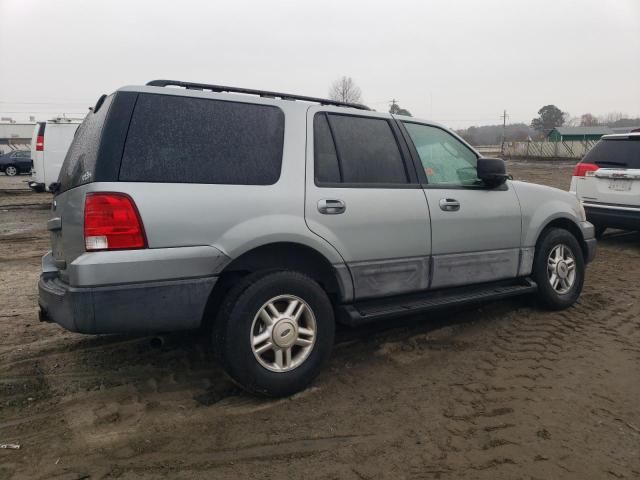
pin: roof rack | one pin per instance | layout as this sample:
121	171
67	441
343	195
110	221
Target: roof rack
262	93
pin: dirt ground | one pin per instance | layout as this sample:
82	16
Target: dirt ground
501	391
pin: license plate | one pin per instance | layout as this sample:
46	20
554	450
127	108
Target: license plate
620	185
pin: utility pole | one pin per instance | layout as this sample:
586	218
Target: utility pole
504	130
393	105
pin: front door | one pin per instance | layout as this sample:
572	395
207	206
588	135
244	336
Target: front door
475	230
363	197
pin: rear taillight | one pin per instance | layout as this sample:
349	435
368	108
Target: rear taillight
40	143
112	222
583	169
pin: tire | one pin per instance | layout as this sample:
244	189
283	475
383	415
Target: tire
11	171
549	254
600	229
240	324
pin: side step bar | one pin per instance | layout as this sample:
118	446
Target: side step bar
368	311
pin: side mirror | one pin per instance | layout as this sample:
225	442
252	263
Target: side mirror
492	171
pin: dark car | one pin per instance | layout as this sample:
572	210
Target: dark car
18	161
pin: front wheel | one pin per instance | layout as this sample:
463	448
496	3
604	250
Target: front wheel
558	269
274	332
11	171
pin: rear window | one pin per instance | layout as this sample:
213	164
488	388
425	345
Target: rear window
192	140
615	153
80	162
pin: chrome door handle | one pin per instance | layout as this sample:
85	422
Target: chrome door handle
449	205
331	207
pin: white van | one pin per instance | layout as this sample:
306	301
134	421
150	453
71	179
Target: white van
49	145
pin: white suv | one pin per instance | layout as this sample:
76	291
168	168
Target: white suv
607	181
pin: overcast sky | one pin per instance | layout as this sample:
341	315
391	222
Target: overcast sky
457	62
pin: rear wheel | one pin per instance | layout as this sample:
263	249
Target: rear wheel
274	332
11	171
558	269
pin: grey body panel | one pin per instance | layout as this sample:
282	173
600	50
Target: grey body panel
526	261
540	205
475	267
146	265
390	277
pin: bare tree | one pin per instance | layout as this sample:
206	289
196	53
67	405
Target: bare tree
345	90
588	120
572	121
612	117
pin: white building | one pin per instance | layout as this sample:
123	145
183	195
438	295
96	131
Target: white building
15	136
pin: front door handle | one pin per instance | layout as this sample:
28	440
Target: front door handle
449	204
331	207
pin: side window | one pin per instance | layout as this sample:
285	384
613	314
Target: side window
356	150
195	140
445	159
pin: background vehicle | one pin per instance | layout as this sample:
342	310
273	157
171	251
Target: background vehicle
267	216
16	162
49	145
607	181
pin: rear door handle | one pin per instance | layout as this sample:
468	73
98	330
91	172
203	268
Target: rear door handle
449	204
331	207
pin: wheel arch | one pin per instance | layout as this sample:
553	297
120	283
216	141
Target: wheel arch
335	279
565	223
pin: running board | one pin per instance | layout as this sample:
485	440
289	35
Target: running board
371	310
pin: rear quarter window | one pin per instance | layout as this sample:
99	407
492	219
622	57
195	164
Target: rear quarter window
624	153
193	140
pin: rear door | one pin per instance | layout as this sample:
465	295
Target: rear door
617	181
475	230
363	197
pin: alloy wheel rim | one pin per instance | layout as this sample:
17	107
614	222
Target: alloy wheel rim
561	268
11	171
283	333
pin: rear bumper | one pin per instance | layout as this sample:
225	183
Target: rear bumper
626	218
151	307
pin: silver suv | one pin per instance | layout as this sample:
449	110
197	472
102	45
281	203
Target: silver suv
267	217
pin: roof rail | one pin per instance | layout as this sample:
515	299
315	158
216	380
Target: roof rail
262	93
